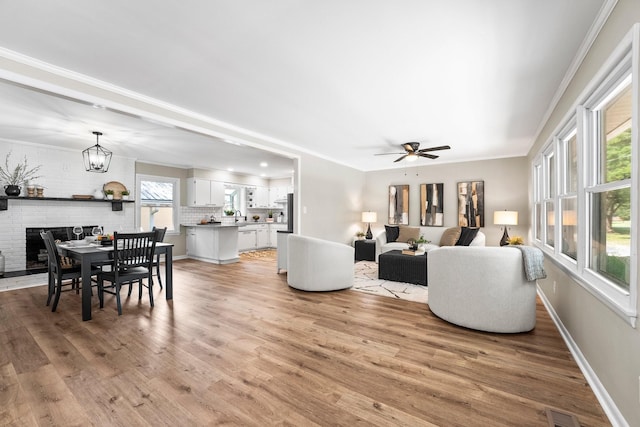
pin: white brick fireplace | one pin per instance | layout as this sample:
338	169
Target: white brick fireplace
62	175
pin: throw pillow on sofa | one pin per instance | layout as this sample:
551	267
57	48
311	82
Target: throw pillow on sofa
407	233
392	232
450	236
466	236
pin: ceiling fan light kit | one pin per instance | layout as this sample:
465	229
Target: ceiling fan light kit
413	151
96	158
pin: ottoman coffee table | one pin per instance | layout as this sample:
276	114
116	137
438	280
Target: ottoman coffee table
395	266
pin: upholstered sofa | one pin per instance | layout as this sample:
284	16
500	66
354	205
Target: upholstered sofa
483	288
318	265
395	238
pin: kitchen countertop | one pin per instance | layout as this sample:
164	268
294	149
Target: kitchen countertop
218	225
237	224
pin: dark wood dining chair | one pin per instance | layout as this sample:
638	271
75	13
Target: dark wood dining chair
133	255
59	272
160	232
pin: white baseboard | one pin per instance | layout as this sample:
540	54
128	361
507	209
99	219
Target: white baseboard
608	405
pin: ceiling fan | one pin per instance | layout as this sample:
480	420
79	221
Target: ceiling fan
412	151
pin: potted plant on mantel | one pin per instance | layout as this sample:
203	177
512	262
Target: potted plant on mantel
109	194
125	194
15	177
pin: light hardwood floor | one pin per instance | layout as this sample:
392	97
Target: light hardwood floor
237	346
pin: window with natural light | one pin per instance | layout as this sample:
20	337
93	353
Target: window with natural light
585	191
158	202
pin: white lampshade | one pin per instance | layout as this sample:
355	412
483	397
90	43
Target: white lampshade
505	217
369	217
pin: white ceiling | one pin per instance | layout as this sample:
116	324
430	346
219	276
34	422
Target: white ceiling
342	78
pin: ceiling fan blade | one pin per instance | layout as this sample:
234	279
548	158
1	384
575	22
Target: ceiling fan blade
442	147
386	154
429	156
411	147
397	160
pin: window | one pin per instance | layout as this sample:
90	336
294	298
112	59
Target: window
568	199
158	202
586	186
537	199
610	192
549	213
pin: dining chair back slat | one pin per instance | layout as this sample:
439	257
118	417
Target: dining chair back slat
57	272
160	233
132	261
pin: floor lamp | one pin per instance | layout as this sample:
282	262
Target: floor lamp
505	218
369	217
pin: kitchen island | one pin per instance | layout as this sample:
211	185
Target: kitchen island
216	243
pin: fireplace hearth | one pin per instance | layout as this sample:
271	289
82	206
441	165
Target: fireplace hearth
36	253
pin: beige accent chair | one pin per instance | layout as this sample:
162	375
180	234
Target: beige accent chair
483	288
318	265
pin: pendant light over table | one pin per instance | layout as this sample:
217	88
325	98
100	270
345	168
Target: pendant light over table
97	158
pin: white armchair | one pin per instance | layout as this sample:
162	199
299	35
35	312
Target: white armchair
318	265
483	288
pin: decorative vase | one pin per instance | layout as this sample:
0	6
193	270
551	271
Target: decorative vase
109	196
39	191
125	197
12	190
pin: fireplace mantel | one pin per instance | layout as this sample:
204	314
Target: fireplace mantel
116	205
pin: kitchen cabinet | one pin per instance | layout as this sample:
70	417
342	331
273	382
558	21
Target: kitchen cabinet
191	241
282	250
277	196
262	197
204	192
258	236
273	233
262	237
217	244
247	240
257	197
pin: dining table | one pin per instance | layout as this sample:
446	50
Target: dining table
92	253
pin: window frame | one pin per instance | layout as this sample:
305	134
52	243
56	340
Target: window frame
176	199
624	63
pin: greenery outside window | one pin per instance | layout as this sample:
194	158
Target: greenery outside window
610	194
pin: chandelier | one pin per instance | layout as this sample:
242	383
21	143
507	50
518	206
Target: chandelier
96	158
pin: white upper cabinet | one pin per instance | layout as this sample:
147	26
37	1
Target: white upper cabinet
204	192
257	197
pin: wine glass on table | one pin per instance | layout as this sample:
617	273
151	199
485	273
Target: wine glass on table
95	232
77	230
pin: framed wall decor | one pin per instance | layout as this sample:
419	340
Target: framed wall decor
471	204
399	204
432	205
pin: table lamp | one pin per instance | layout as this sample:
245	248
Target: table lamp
505	218
369	217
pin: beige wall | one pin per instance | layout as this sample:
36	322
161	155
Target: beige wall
328	200
505	186
609	344
179	240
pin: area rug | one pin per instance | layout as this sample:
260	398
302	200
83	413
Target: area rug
366	280
259	253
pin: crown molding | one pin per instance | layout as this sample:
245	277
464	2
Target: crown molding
582	52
